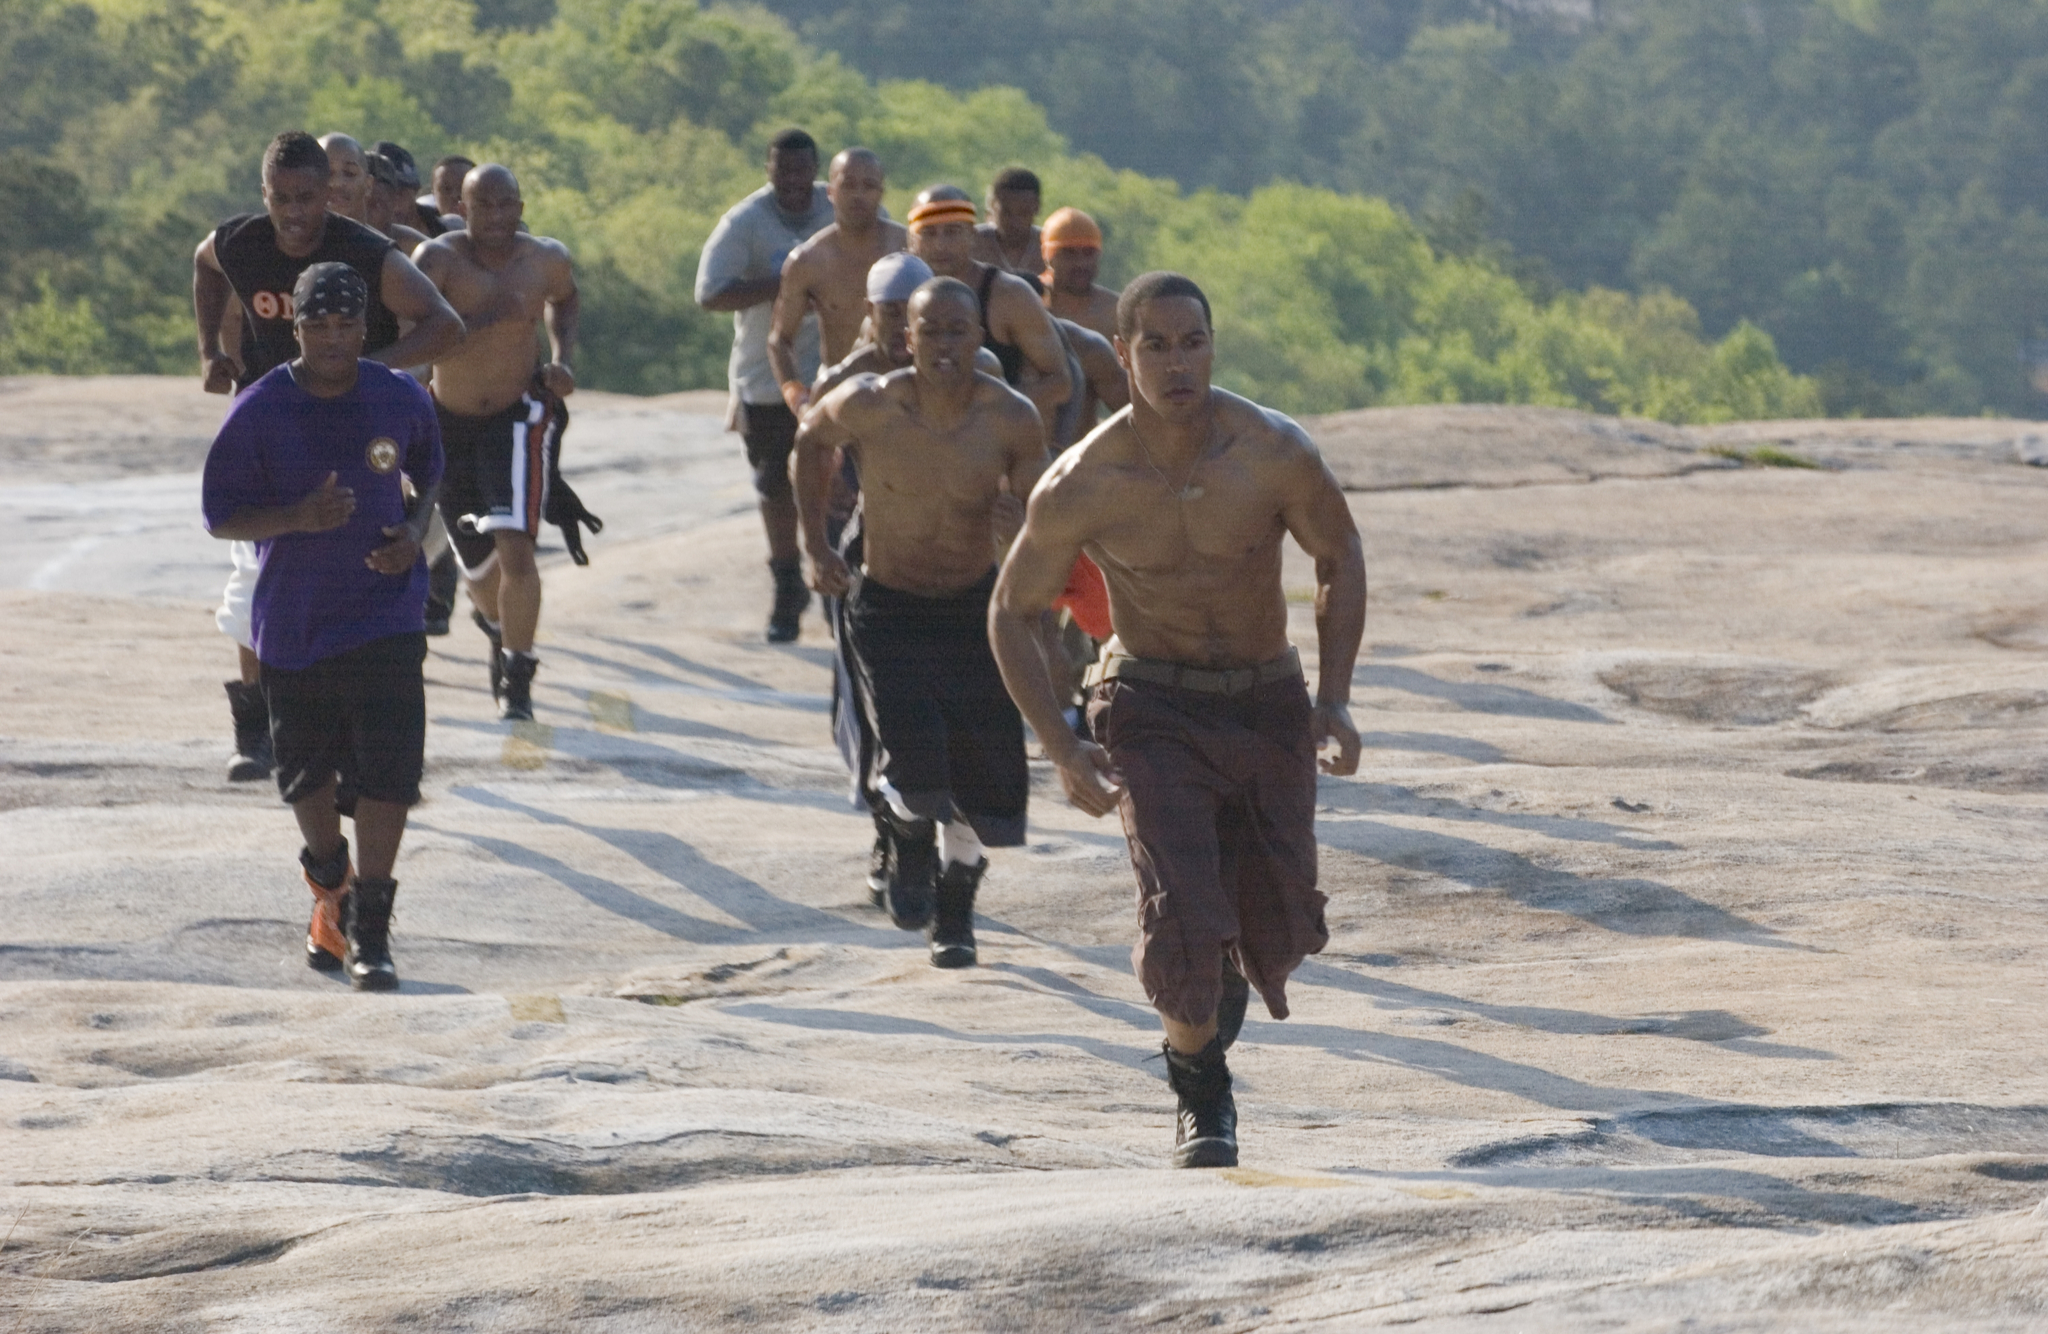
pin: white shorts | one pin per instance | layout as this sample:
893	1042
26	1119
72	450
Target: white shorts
239	597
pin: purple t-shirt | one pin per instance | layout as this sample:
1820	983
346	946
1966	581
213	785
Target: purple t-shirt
315	596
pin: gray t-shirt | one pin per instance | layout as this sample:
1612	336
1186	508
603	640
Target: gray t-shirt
751	241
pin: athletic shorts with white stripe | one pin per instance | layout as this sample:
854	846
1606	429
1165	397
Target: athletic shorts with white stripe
496	479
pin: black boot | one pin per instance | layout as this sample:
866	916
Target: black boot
1205	1133
878	864
953	922
913	872
517	705
366	917
791	597
497	653
1237	994
441	580
253	758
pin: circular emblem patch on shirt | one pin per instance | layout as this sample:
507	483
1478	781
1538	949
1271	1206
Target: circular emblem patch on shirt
382	456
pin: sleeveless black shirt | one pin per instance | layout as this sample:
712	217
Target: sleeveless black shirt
263	276
1009	354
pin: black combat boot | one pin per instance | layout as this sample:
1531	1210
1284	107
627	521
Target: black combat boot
953	922
1205	1133
913	872
497	653
517	704
441	583
1237	994
792	595
253	757
878	864
366	916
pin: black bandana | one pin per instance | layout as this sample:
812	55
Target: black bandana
330	289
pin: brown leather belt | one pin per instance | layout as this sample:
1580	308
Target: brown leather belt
1209	680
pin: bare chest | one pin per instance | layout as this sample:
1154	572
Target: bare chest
917	467
517	291
840	293
1207	522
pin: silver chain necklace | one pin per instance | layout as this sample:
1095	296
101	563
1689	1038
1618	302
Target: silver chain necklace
1186	491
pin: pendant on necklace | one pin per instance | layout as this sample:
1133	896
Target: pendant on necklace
1191	493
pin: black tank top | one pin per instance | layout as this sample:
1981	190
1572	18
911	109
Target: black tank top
263	277
1009	354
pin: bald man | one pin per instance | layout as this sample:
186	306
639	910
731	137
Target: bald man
502	415
828	274
937	445
349	184
1073	257
1015	325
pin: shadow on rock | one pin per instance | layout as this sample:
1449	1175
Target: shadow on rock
1729	1031
1630	907
1476	696
1393	799
671	858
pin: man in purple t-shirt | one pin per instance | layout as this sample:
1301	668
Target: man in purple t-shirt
311	466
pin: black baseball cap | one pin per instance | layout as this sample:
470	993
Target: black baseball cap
407	171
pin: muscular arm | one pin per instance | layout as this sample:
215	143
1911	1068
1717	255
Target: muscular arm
435	329
565	306
1019	318
741	293
820	434
1034	574
792	303
1105	373
211	295
1315	513
1025	451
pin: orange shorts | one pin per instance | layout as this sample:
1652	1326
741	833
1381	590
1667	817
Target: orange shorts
1086	598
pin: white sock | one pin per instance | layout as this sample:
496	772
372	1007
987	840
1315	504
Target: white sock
896	803
957	843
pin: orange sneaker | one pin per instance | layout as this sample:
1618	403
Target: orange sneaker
325	943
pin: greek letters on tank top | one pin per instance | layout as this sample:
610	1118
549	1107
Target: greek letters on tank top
1009	354
263	276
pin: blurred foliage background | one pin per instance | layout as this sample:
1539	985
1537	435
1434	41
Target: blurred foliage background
1690	209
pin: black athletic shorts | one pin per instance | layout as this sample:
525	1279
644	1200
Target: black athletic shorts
496	474
770	436
947	738
358	719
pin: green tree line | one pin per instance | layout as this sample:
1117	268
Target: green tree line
1867	180
132	126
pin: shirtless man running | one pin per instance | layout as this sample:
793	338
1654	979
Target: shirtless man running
1073	257
891	283
1010	239
1211	739
1014	324
936	445
829	273
501	413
